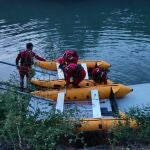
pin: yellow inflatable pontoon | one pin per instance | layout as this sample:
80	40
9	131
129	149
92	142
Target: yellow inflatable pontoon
51	65
81	94
102	117
61	83
102	124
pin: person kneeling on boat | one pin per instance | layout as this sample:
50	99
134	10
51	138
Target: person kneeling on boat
75	71
25	59
99	75
68	57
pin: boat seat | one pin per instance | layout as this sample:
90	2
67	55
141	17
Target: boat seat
86	70
60	101
60	72
95	104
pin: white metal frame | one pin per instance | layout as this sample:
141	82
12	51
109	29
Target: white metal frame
96	104
86	70
60	101
60	72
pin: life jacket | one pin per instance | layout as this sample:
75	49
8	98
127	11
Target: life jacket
74	68
26	58
78	69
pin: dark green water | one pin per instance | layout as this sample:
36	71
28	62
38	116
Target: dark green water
112	30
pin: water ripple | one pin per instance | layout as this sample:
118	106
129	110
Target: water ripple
119	34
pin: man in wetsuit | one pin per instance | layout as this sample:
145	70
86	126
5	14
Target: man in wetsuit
24	62
99	75
76	71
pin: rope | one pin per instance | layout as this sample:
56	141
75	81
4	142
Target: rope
6	63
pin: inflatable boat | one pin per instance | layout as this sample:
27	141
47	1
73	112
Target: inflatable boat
51	65
106	120
81	94
138	98
90	118
61	83
102	117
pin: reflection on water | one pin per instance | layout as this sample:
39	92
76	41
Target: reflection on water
115	31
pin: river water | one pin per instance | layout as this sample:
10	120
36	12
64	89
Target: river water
111	30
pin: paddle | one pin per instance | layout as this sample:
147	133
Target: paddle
6	63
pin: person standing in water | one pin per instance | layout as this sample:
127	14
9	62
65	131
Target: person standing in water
24	62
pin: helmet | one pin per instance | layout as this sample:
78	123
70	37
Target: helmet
29	45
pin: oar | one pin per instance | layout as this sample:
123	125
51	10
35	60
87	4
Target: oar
6	63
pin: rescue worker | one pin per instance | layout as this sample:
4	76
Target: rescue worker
99	75
76	71
68	57
24	61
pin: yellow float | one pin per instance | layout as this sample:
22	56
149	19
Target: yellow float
51	65
81	94
61	83
103	124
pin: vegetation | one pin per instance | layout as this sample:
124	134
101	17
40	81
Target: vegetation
23	127
124	135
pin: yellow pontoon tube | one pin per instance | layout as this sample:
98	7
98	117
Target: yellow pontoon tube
79	94
61	83
51	65
102	124
102	117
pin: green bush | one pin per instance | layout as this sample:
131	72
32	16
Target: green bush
22	129
124	134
